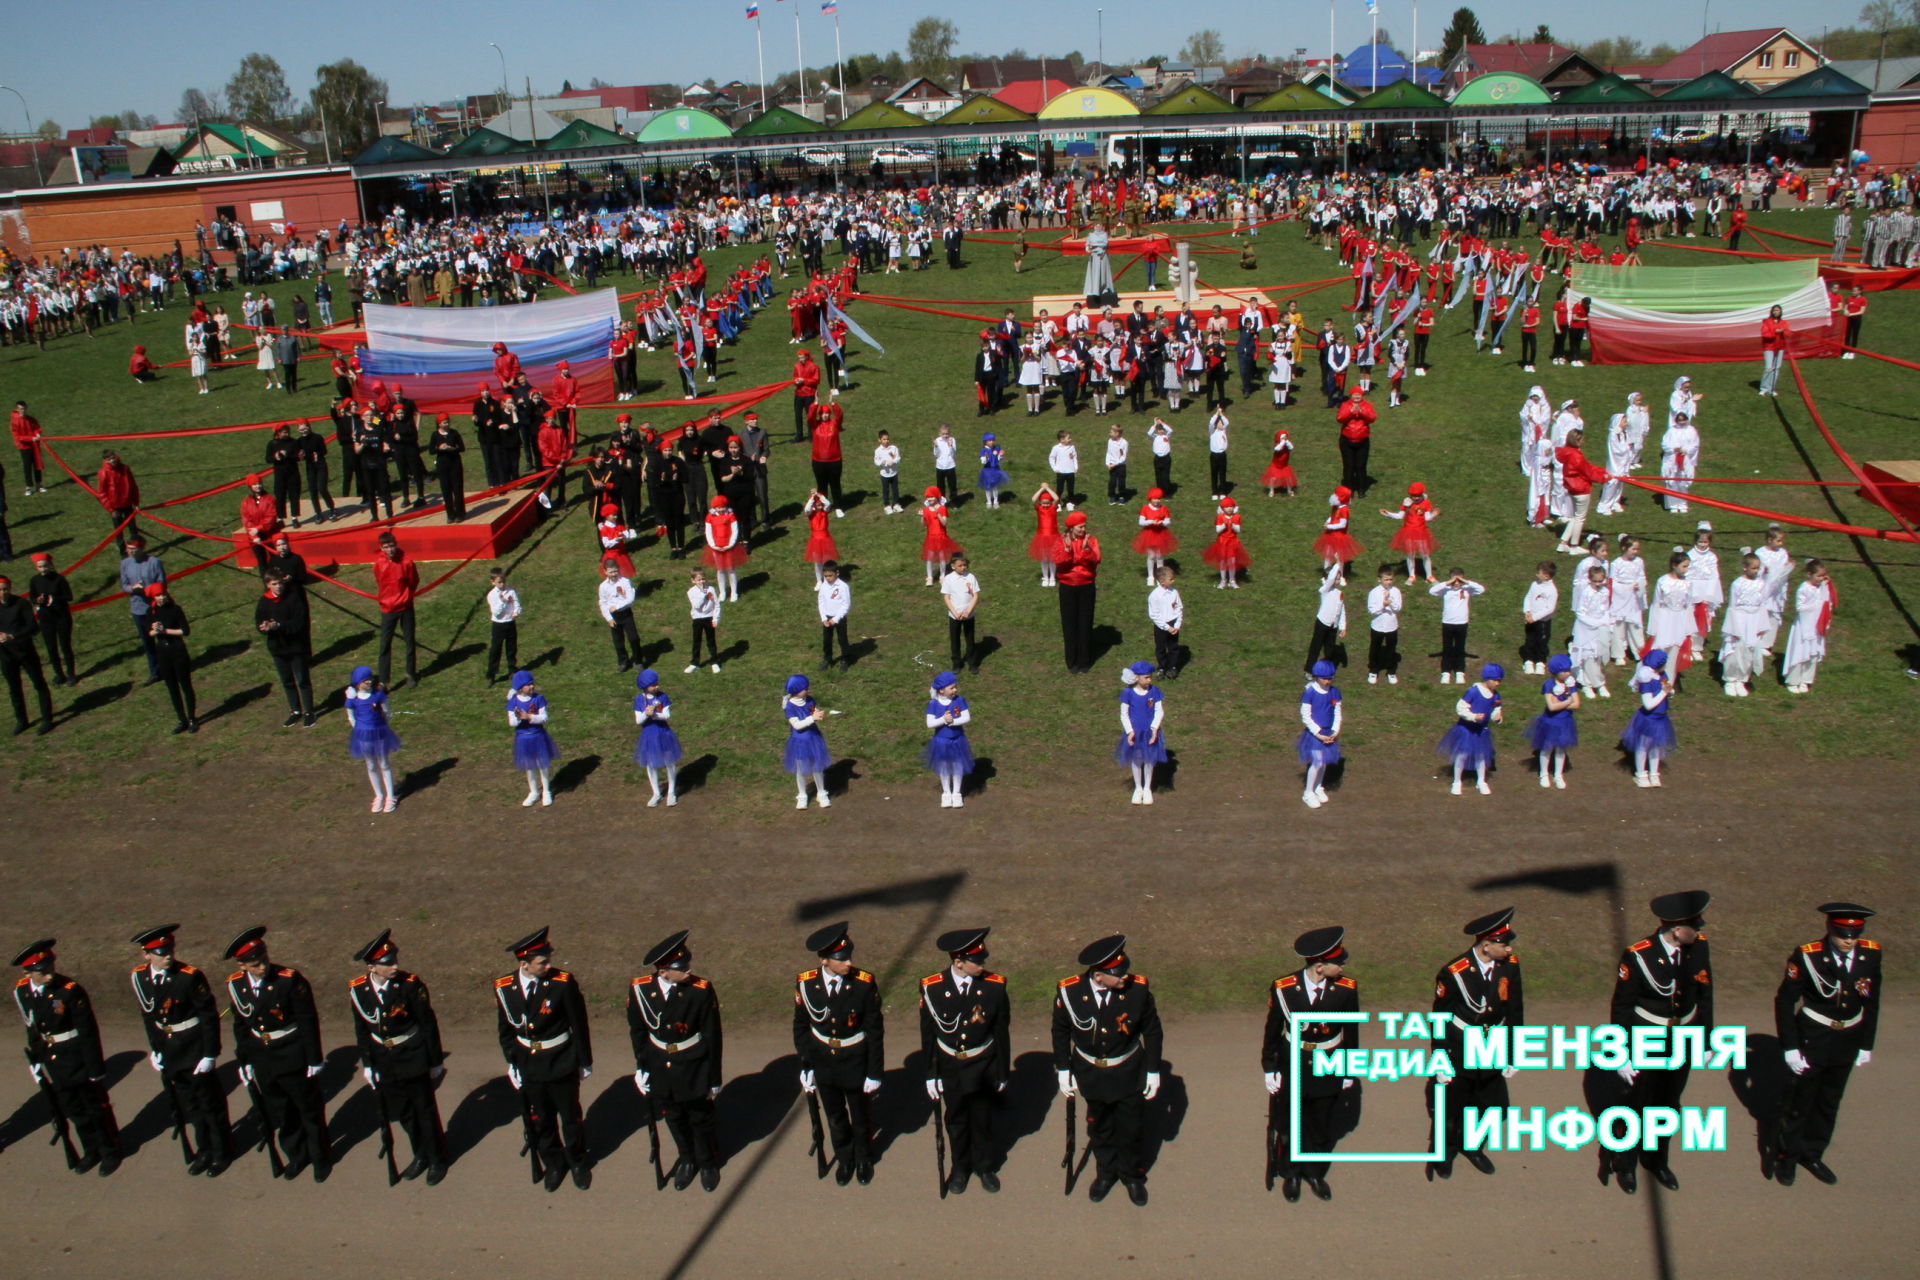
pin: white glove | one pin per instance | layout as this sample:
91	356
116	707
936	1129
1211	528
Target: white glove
870	1085
585	1072
314	1070
1863	1057
806	1081
1066	1084
513	1075
713	1093
1508	1073
934	1089
367	1074
203	1066
1273	1081
1797	1062
641	1080
34	1072
1627	1074
154	1058
1153	1085
246	1075
1443	1079
1346	1082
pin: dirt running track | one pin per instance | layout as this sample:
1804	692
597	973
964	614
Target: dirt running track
1543	1214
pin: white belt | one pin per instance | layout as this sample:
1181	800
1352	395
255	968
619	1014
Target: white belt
58	1037
536	1046
839	1042
270	1036
961	1055
395	1041
1835	1023
671	1046
1321	1044
1108	1062
175	1028
1659	1021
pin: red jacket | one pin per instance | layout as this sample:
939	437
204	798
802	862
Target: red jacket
1773	334
552	441
1580	474
1356	419
260	516
506	367
806	377
1076	563
566	391
26	431
396	581
117	488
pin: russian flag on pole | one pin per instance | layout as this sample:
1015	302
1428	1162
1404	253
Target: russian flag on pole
753	11
440	355
829	6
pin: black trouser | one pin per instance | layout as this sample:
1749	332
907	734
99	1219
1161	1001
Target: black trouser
1483	1089
826	478
827	634
625	634
1383	651
1137	393
1811	1106
1316	1131
1420	350
1063	484
553	1111
1117	483
696	490
1574	339
205	1106
1166	650
296	681
948	480
1453	646
1853	330
800	406
30	470
1163	472
1653	1087
960	646
505	637
1353	462
317	494
890	491
1076	624
453	486
402	620
1113	1134
19	659
413	474
56	629
970	1144
1529	346
1216	388
847	1125
696	1136
988	395
124	522
1538	638
1217	472
286	492
1324	644
672	512
703	628
297	1115
177	672
410	1105
87	1108
376	488
530	446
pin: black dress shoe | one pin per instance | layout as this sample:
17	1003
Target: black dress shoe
86	1163
1629	1180
956	1184
294	1169
21	726
710	1179
1819	1170
1478	1159
198	1165
193	726
216	1167
309	722
1664	1176
321	1170
864	1172
179	728
555	1177
1320	1188
414	1170
843	1174
1290	1188
1439	1169
1784	1169
108	1163
582	1177
989	1182
290	721
1137	1190
436	1173
683	1175
1097	1190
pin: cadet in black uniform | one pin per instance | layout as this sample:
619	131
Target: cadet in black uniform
183	1044
1479	989
543	1036
20	661
1321	987
1826	1012
1106	1049
674	1018
449	468
276	1037
840	1034
400	1053
63	1052
963	1033
1665	980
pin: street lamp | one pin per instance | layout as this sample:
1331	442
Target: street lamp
32	145
1100	26
505	93
374	107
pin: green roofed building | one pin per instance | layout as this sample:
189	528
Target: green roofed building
777	120
881	115
982	109
1715	86
679	124
483	142
583	133
1190	101
1606	89
1295	97
1401	95
1501	89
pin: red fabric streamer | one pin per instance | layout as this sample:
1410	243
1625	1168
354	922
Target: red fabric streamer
193	431
1867	482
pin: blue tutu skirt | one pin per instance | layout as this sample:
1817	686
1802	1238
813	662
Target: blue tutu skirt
1314	751
370	742
658	746
1655	733
992	478
1142	752
806	752
533	748
1546	732
1465	747
948	754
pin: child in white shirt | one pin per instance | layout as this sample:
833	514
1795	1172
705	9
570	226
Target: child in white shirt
1064	460
886	459
1536	612
1455	594
1329	622
1168	614
703	604
946	462
1384	603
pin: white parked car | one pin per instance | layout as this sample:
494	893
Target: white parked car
890	155
822	157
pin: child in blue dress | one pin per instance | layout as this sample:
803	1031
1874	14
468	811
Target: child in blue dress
1649	735
1320	734
1469	744
533	749
948	755
1552	732
806	754
659	746
992	477
1141	745
371	738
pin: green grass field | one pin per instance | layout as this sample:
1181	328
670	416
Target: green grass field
1231	716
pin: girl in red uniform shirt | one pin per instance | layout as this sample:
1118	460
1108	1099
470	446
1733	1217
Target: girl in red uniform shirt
1414	539
1155	540
1279	473
1046	532
936	548
725	553
820	548
1335	545
1226	552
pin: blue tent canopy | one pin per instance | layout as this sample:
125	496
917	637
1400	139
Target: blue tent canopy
1358	69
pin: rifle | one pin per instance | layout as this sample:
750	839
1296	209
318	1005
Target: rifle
940	1142
258	1106
528	1147
62	1131
819	1148
1066	1161
1273	1149
386	1135
187	1153
653	1141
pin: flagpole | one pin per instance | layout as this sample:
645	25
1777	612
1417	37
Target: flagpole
1373	11
801	75
1332	52
839	67
760	50
1416	41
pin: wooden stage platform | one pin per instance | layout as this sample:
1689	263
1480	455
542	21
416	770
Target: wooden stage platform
1059	304
1900	482
492	527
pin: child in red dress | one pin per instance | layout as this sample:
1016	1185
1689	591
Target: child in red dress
1046	533
820	548
1226	552
1414	539
1279	474
936	548
1155	540
1335	545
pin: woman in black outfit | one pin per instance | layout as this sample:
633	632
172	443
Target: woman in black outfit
281	616
168	629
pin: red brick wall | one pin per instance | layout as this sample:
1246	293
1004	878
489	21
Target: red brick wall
150	219
1890	133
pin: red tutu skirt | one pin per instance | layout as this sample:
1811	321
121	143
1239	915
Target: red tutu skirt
820	549
1155	542
1338	547
732	558
1045	548
1226	552
938	546
1413	542
1279	475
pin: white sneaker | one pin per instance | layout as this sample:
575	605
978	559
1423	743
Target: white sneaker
715	668
690	670
1483	788
1446	677
1459	677
1545	781
1320	794
655	801
1605	692
1653	779
1310	800
823	801
546	798
531	797
1146	797
800	802
959	803
1372	678
1640	780
1733	690
1392	678
1136	796
1560	781
838	514
1454	789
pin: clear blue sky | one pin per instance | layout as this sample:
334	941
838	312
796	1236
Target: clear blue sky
76	61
